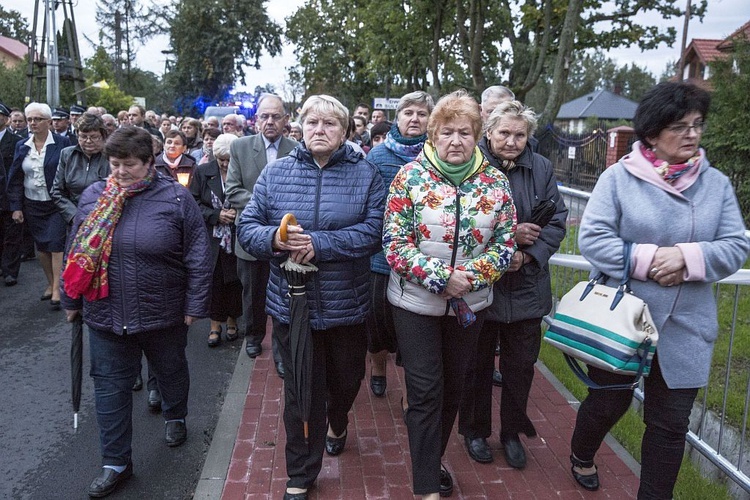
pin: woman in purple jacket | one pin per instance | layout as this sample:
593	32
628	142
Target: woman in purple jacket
139	269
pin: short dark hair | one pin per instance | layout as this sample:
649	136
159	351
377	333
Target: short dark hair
89	122
130	142
363	105
665	104
380	128
212	132
175	133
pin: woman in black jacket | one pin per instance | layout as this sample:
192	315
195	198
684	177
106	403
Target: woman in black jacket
207	188
521	297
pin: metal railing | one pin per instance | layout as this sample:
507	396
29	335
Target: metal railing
722	443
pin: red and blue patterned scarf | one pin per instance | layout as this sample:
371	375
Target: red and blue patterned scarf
86	271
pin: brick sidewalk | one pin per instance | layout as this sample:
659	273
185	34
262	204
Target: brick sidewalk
376	465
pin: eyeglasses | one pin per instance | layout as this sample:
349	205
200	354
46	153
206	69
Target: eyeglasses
89	138
265	117
35	119
682	129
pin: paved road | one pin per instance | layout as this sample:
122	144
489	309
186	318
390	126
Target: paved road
41	456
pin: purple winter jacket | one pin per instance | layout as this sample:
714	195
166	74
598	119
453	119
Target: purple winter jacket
159	269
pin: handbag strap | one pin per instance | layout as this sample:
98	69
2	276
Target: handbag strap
579	372
624	286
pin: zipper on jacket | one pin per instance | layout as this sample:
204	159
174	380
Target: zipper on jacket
122	287
316	222
455	238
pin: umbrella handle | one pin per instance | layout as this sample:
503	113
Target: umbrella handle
288	219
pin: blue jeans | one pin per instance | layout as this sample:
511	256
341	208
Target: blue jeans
115	362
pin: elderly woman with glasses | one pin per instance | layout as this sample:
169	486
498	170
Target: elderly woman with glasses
684	225
208	189
337	198
81	165
30	181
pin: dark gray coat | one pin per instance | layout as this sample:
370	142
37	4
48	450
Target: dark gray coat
75	173
527	293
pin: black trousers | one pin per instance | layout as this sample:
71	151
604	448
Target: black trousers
254	277
666	413
11	237
520	343
435	352
338	369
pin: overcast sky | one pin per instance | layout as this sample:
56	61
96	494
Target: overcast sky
724	17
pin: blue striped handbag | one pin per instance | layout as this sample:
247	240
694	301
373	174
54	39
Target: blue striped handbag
606	327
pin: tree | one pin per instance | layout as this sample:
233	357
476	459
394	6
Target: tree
592	71
125	26
13	84
13	25
725	139
97	68
232	35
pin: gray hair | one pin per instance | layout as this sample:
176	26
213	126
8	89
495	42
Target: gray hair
419	98
498	91
295	125
222	144
265	96
515	110
40	108
325	105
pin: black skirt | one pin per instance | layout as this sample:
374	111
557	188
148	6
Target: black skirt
46	225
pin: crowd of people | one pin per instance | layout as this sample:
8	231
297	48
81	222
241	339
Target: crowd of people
418	245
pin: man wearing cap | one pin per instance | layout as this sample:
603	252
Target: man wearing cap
11	234
61	125
75	113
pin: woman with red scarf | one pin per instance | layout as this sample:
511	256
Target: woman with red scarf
138	269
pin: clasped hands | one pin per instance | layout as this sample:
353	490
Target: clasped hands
298	244
227	215
459	284
668	266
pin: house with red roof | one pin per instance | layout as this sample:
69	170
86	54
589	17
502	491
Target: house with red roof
12	51
702	52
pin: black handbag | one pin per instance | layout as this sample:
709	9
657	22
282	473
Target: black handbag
543	213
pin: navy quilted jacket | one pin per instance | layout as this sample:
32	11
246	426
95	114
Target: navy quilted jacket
159	270
341	207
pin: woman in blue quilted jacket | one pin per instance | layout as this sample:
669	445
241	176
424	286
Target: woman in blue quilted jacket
401	146
139	271
337	198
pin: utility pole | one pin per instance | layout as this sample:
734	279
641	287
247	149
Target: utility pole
53	66
681	67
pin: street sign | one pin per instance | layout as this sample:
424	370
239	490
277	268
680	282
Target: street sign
385	103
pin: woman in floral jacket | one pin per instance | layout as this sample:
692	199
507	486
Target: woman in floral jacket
448	235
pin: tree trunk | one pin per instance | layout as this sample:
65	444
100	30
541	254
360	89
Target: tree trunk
562	62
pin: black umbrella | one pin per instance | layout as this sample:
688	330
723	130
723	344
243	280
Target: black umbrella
300	337
76	366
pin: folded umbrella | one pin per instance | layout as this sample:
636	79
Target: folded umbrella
76	366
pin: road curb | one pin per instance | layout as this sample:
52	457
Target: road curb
216	466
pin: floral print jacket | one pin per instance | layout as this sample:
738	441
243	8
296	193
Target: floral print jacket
432	227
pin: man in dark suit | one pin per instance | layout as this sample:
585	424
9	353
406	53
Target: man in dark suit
248	156
18	125
61	125
11	234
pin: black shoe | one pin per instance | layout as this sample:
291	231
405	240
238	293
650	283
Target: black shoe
446	482
106	482
214	338
54	305
138	384
295	496
497	378
253	350
11	281
154	401
334	446
378	385
479	450
280	369
175	433
588	481
25	257
514	452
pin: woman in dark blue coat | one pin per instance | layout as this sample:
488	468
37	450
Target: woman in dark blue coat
139	269
30	179
338	199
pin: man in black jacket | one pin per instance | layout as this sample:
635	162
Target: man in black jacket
11	234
